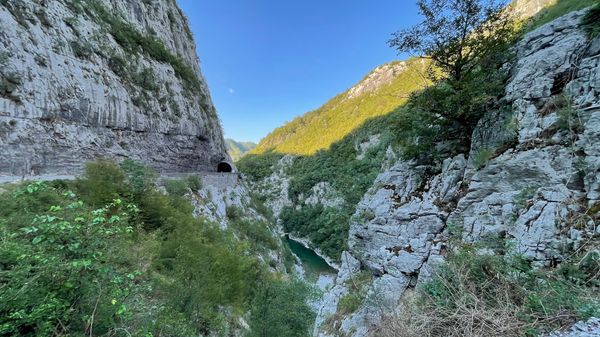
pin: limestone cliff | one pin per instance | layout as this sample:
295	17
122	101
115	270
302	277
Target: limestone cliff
535	188
81	79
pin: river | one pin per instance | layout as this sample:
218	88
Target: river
313	264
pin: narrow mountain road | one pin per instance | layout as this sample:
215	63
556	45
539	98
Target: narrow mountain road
217	179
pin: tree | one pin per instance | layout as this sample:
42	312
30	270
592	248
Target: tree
456	34
281	309
468	43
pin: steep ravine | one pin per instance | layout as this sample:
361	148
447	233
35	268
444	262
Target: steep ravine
536	180
530	191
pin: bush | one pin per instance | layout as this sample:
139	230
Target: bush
101	182
233	213
258	167
280	309
176	187
9	83
146	79
82	50
59	266
194	182
141	178
119	66
257	233
591	21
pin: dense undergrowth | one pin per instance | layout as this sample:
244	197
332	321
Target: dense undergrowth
110	255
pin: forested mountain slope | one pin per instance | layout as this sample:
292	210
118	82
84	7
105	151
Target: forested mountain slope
379	93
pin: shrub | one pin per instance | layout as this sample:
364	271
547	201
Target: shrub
257	233
233	213
58	261
194	182
101	182
176	187
9	83
258	167
119	66
141	178
272	309
146	79
83	50
482	157
70	268
591	21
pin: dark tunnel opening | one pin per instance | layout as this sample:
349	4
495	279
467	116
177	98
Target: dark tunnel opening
224	167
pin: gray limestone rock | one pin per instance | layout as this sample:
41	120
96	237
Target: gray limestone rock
72	92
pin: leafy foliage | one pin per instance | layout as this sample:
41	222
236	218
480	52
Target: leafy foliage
176	187
455	34
59	263
108	255
468	41
280	309
258	167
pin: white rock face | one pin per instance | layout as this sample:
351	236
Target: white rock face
382	75
70	91
530	192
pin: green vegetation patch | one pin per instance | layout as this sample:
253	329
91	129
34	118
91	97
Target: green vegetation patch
557	10
134	41
319	129
108	254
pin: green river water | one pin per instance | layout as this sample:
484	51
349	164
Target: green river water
313	264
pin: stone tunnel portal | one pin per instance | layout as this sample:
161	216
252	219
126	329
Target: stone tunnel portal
224	167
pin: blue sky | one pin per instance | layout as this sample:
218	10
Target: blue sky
268	61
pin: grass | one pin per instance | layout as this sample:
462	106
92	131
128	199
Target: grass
553	12
494	295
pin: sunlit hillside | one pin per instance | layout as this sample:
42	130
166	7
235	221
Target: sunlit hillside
237	149
379	93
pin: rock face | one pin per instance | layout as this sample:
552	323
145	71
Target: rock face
119	78
543	175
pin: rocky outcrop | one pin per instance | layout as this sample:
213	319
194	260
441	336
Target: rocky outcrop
379	77
117	79
541	177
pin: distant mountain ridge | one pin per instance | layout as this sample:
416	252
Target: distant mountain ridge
237	149
379	93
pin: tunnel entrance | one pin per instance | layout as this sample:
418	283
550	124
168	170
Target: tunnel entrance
224	167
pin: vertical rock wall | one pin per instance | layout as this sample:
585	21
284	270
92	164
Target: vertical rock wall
536	190
82	79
